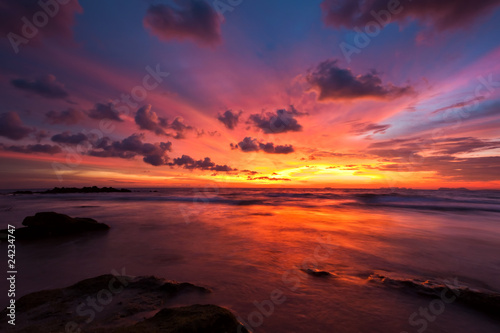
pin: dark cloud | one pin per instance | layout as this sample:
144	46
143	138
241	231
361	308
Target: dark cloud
179	126
104	111
249	144
46	86
154	154
148	120
66	117
337	83
188	162
69	139
230	119
189	19
210	133
369	128
30	149
442	15
59	23
12	127
280	122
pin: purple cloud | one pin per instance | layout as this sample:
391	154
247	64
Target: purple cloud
12	127
442	15
30	149
66	117
230	119
154	154
46	86
206	164
249	144
280	122
69	139
104	111
189	19
336	83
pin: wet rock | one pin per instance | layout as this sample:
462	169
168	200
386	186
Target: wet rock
485	301
131	304
50	224
317	273
187	319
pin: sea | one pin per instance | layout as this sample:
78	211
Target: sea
285	260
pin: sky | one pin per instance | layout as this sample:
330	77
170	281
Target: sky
246	93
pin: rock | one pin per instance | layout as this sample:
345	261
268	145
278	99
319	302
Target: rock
93	189
316	272
486	301
22	192
49	224
187	319
132	304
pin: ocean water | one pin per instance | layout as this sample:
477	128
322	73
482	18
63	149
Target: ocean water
251	247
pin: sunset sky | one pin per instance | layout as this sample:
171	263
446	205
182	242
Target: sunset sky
337	93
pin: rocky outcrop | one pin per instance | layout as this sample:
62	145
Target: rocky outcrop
119	304
316	272
50	224
66	190
93	189
485	301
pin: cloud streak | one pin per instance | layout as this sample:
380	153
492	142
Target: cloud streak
46	86
441	15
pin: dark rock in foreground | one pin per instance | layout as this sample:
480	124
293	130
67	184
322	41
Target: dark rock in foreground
50	224
119	304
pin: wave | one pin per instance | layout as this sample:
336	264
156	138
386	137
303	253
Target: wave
460	201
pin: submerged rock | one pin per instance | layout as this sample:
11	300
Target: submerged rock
482	300
49	224
118	304
316	272
187	319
